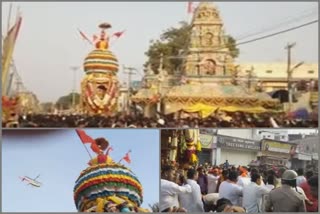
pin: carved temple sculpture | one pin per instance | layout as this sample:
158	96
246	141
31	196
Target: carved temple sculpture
207	54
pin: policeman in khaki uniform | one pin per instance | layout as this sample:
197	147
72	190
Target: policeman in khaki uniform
285	198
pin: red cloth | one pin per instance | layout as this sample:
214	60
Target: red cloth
127	158
118	34
306	188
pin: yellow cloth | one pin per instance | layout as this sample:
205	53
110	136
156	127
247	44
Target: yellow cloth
100	205
207	110
193	158
314	97
204	110
103	45
116	199
198	147
257	109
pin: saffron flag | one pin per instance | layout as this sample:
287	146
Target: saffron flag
118	34
190	8
87	139
127	157
8	48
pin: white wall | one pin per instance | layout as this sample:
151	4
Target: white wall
240	133
277	134
279	70
236	157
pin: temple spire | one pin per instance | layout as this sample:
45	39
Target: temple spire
207	54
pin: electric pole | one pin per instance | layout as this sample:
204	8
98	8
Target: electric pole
250	75
160	80
130	73
289	72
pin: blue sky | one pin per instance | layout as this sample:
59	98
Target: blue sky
49	43
59	157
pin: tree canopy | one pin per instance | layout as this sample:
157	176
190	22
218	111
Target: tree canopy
65	102
172	43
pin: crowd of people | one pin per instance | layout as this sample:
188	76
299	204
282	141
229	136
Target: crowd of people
137	120
229	189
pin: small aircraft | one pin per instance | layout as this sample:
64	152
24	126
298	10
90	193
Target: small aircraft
31	181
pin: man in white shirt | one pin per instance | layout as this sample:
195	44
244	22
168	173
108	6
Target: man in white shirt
169	189
213	178
300	179
192	202
230	190
243	181
253	193
244	178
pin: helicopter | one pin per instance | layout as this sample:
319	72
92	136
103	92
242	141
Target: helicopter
30	181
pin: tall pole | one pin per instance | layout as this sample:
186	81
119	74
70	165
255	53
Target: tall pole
130	73
74	69
9	18
250	77
160	82
6	71
289	73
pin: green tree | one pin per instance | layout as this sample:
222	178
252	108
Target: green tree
65	102
172	43
47	107
155	207
231	44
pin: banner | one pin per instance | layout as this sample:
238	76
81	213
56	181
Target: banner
237	143
274	146
206	141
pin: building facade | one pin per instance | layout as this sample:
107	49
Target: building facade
273	76
238	151
208	149
275	153
305	153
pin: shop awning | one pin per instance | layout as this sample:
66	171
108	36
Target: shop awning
306	157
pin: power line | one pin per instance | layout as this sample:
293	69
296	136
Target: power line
269	35
264	30
277	33
286	21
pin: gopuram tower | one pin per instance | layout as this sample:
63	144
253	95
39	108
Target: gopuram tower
207	54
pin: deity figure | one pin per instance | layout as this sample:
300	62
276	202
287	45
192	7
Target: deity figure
208	39
100	86
193	146
210	66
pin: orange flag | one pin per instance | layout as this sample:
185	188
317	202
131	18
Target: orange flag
127	157
118	34
190	8
87	139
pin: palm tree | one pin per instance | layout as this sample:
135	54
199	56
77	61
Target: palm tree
155	207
